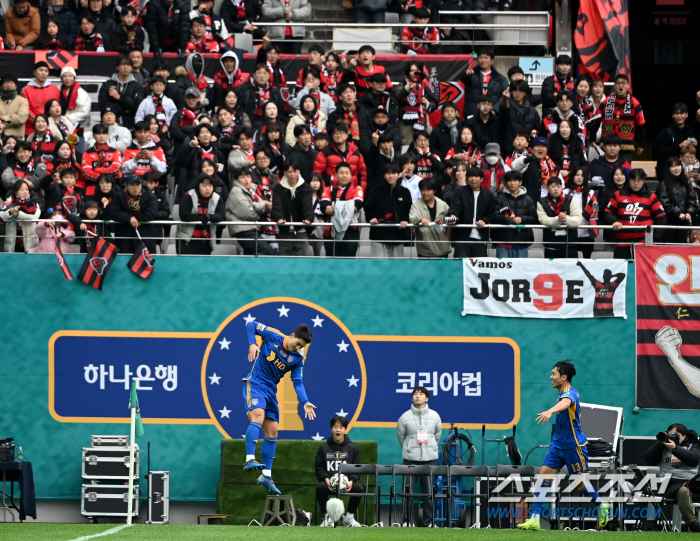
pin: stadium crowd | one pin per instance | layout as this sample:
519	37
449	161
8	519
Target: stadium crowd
340	144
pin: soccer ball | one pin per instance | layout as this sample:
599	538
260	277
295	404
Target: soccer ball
342	479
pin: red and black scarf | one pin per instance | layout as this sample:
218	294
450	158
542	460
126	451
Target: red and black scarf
88	43
129	34
62	127
160	110
352	122
262	96
188	117
200	84
556	205
25	204
69	97
240	9
548	170
202	231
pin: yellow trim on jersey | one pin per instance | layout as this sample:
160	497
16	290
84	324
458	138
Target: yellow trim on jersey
572	416
248	394
255	361
272	329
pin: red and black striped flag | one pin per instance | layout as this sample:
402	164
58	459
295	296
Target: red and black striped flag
67	274
141	263
97	263
57	60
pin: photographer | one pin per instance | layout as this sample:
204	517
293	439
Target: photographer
338	449
677	453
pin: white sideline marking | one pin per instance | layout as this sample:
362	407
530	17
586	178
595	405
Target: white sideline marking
106	532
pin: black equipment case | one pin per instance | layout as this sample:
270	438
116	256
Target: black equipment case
109	463
108	500
158	497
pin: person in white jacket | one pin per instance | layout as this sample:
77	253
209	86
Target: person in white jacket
157	104
119	137
21	206
77	104
312	85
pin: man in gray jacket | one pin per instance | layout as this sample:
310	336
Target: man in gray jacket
419	431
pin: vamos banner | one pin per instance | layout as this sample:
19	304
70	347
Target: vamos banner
543	288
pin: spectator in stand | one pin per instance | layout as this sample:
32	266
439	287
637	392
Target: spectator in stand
585	110
363	71
303	151
597	98
342	202
143	156
42	140
230	77
521	148
245	205
100	158
239	17
616	182
19	209
516	73
65	21
678	198
340	150
316	58
271	114
253	96
201	146
536	168
230	100
215	29
157	104
103	12
22	26
307	115
291	202
482	81
317	233
75	104
348	112
600	169
634	204
64	193
429	164
203	208
623	116
494	168
377	96
370	11
200	42
380	123
132	209
518	116
566	150
52	38
270	56
514	207
388	203
152	180
420	39
89	38
163	21
691	166
122	93
471	204
466	149
382	152
128	35
191	75
140	73
211	168
50	233
60	127
312	85
21	166
563	111
408	163
161	69
272	140
562	80
105	193
280	11
445	135
448	40
242	156
416	98
119	137
485	123
14	109
562	215
38	92
669	141
64	158
225	129
334	75
427	215
578	186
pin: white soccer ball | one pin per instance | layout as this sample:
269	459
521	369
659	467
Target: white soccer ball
342	479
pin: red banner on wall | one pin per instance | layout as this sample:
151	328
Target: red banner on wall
668	327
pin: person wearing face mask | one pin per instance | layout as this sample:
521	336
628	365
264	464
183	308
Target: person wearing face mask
204	208
191	75
678	198
446	134
494	168
14	109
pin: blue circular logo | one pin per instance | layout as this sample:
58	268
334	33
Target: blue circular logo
334	371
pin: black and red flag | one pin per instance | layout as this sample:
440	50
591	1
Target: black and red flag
141	263
97	263
57	60
67	274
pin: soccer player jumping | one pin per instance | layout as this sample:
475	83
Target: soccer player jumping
277	355
568	447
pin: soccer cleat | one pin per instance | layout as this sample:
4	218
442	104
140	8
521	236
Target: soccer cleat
351	522
604	516
530	524
327	523
253	465
266	482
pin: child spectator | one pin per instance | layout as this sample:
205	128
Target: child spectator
128	35
99	159
132	209
143	156
322	141
308	115
22	25
88	231
52	38
494	168
471	204
64	158
427	215
518	117
342	203
513	207
157	104
38	92
245	205
63	193
678	198
51	232
14	109
420	39
88	39
623	116
521	149
577	185
19	208
562	216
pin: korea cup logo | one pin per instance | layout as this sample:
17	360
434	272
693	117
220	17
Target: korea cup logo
333	371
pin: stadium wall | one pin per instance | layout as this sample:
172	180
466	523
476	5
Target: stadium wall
195	295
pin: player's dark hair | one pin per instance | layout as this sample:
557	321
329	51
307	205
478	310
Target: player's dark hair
421	389
302	331
566	368
342	420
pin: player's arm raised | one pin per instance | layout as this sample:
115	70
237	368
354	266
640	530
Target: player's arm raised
563	404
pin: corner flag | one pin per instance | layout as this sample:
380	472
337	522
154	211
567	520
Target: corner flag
134	404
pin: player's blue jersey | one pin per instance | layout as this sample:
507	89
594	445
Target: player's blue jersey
273	360
567	429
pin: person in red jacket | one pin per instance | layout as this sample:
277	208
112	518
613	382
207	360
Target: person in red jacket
199	41
100	159
230	76
420	39
38	92
340	150
361	72
143	155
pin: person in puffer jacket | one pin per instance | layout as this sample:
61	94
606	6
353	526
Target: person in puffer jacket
419	431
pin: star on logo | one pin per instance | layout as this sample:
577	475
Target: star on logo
283	311
342	412
248	318
214	379
224	412
318	322
317	437
342	346
353	381
224	343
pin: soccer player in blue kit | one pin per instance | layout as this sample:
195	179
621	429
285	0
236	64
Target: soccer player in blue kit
277	355
568	447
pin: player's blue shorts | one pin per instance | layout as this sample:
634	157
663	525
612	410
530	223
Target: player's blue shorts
575	459
255	397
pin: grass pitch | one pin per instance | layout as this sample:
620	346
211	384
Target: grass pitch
70	532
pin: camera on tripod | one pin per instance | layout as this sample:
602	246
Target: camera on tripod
667	437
